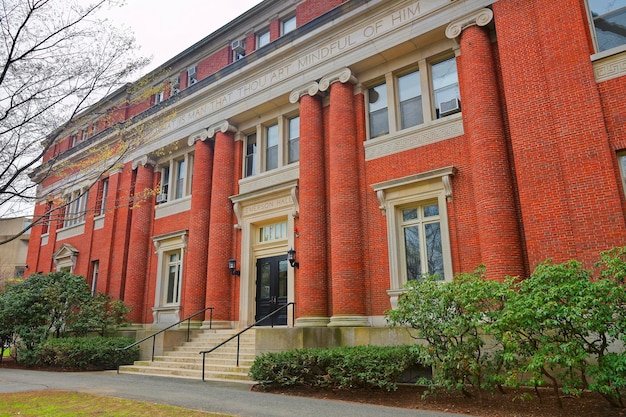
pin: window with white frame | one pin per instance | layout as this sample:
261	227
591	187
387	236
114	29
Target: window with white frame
176	178
406	89
76	207
293	138
417	227
95	271
272	145
288	25
172	281
158	97
608	18
621	159
170	250
262	39
272	232
101	202
250	163
192	76
421	240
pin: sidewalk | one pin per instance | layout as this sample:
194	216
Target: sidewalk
227	398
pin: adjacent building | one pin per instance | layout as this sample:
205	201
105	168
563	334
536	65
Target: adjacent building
325	152
13	253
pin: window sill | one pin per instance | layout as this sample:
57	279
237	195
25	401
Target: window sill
71	231
172	207
609	64
271	178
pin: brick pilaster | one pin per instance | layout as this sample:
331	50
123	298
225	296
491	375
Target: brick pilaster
348	294
194	284
219	279
139	242
311	281
497	222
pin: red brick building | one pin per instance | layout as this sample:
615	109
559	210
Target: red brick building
381	140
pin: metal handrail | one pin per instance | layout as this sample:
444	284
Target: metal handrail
272	314
154	335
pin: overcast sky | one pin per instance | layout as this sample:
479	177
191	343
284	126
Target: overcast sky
164	28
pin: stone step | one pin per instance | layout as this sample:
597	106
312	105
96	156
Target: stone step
247	361
213	367
187	373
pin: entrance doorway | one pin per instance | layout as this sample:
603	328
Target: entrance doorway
271	289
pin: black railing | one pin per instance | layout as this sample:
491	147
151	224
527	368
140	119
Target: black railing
153	336
256	323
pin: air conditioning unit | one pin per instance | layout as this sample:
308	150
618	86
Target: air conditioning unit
161	198
449	107
191	71
238	46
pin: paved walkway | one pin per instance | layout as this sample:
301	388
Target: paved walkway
227	398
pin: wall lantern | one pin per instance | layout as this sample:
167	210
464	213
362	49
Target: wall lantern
291	257
232	264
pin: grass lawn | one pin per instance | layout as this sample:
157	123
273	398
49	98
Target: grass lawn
72	404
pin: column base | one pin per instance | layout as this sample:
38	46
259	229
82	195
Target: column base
349	321
312	322
216	325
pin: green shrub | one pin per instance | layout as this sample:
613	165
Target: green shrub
448	318
342	367
87	353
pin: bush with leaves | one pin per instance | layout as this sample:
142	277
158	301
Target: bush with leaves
87	353
341	368
46	305
448	317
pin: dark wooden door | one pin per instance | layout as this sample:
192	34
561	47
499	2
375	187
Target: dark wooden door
271	289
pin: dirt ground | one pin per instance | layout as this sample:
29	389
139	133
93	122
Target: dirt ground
510	404
497	405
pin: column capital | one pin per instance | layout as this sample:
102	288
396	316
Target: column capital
223	126
480	17
311	89
344	75
143	161
201	135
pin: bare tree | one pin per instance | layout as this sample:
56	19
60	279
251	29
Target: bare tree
57	58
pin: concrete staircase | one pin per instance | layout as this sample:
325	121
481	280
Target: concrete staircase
184	361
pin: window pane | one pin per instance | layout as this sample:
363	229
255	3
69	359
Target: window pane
445	83
294	139
409	214
432	210
289	25
263	39
379	120
180	178
412	251
410	96
165	180
271	152
251	155
609	19
434	252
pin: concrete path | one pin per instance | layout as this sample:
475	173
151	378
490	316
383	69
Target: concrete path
227	398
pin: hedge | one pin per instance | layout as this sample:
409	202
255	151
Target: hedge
87	353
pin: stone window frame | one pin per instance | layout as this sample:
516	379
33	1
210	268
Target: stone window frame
166	244
399	193
170	189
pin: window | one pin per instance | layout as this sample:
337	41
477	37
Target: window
422	250
176	177
378	114
75	139
446	92
609	22
273	232
410	100
271	147
158	97
288	25
180	178
293	137
408	93
45	220
251	155
262	39
417	227
174	86
75	208
95	268
172	282
103	191
239	49
192	76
